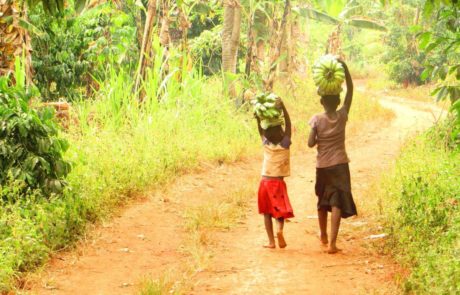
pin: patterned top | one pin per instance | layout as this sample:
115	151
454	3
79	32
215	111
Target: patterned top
276	158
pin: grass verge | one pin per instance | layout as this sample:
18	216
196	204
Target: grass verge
421	209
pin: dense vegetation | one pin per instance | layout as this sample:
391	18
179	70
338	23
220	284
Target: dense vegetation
157	87
422	212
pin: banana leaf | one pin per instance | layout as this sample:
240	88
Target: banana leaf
366	24
318	15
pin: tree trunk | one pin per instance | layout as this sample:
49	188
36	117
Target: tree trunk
285	64
146	48
334	45
231	39
164	31
293	45
14	40
249	57
271	74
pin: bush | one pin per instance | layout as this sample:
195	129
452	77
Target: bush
72	51
30	148
424	216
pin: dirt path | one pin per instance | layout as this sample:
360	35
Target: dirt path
145	240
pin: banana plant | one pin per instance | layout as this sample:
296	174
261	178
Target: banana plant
15	27
339	13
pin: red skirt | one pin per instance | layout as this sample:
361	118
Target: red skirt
273	198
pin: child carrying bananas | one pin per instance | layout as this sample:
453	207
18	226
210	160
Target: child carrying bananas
332	186
273	198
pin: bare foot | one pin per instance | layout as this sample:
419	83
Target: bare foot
281	240
333	250
270	246
324	240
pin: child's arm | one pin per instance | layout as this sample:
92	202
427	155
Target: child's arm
349	95
261	131
287	121
312	137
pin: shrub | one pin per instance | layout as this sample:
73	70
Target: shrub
422	211
72	51
30	148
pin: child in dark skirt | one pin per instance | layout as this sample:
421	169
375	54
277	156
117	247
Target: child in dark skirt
332	186
273	199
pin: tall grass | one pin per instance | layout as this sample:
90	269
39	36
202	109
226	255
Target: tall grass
421	202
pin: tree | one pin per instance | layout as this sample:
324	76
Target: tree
278	46
443	38
145	52
340	13
15	39
231	39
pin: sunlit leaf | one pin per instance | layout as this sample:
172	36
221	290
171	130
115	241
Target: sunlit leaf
424	38
80	5
318	15
367	24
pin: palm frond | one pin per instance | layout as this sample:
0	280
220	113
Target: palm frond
318	15
366	24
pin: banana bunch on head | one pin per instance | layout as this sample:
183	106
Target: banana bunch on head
267	107
328	75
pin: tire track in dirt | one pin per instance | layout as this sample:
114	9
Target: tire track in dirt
145	239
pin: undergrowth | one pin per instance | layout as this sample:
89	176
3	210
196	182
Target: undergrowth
422	215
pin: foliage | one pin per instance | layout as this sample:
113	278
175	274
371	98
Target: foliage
403	59
207	47
71	51
423	217
341	13
30	148
204	16
443	39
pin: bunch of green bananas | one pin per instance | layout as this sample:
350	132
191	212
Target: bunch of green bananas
328	75
267	106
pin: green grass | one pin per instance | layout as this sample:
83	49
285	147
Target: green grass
420	203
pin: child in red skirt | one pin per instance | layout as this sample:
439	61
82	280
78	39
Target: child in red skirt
273	199
332	186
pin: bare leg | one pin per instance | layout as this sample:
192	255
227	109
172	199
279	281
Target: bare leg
335	225
322	218
279	234
269	229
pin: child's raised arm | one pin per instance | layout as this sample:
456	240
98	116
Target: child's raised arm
261	131
287	121
349	81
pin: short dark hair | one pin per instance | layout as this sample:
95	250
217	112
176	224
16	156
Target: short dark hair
330	101
274	134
